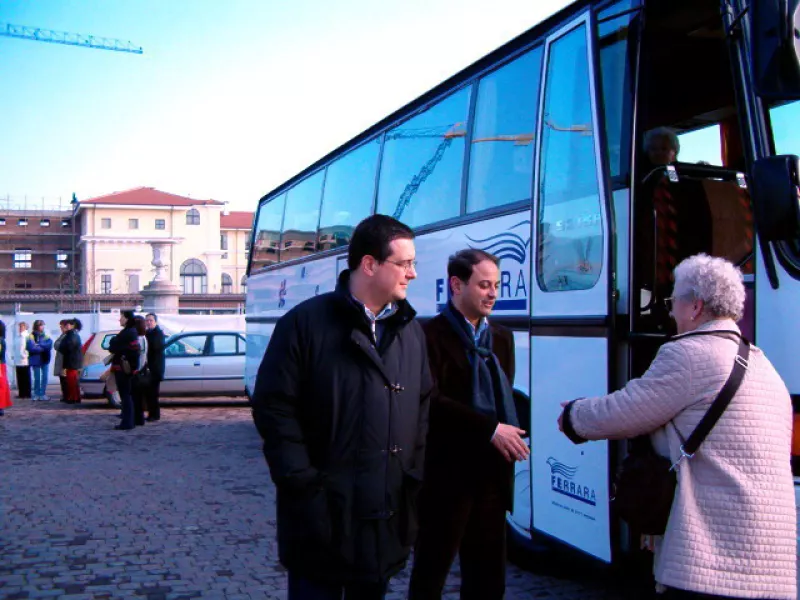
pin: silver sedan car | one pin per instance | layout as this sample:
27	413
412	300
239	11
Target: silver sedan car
197	363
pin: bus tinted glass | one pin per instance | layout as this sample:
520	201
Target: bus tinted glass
299	234
422	165
349	191
265	250
617	39
501	161
570	223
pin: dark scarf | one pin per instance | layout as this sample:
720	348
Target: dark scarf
491	392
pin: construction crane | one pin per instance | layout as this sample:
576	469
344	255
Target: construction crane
38	34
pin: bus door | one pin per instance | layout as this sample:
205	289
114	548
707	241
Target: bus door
696	200
771	127
570	298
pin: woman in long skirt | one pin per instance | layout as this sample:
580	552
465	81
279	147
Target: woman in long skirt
5	390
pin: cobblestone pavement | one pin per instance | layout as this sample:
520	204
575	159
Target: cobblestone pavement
183	508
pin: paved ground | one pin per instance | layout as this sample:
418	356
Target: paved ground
183	508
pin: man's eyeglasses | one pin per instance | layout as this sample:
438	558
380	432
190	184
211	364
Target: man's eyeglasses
669	303
407	265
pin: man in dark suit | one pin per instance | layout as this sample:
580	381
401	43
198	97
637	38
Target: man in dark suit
473	438
155	361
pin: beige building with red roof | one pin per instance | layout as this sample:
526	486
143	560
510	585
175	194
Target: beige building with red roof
208	244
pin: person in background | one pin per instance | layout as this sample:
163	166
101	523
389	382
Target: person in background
138	390
124	348
58	360
473	441
23	369
732	531
5	389
71	360
156	363
40	348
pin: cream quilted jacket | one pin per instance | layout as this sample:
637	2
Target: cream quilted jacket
732	530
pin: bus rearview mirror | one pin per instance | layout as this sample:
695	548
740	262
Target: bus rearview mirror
776	48
776	197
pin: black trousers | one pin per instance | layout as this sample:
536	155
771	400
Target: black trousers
138	392
151	400
63	383
301	588
125	396
23	382
470	523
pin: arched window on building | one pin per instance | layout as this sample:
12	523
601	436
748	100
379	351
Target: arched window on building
194	277
193	217
244	284
227	284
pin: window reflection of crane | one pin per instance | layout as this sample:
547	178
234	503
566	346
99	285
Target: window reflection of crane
454	131
451	132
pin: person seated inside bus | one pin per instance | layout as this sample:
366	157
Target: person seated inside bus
656	217
698	213
661	147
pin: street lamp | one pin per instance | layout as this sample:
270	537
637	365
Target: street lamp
75	205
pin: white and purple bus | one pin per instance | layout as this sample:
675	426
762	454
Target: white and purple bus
535	153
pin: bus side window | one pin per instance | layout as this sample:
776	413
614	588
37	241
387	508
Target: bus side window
423	162
299	231
266	244
501	153
348	195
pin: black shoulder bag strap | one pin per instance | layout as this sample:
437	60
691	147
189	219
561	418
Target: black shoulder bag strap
722	401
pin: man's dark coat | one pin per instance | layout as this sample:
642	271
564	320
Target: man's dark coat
155	353
460	452
344	427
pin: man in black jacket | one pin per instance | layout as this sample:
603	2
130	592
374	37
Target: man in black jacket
474	438
125	350
155	362
341	401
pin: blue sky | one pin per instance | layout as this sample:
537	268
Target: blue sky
229	98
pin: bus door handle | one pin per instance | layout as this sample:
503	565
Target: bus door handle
196	364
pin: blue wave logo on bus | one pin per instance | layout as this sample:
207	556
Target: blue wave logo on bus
562	481
505	245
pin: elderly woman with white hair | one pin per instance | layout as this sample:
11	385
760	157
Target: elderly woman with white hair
662	146
732	527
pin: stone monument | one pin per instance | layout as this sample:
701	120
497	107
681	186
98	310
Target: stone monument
160	295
